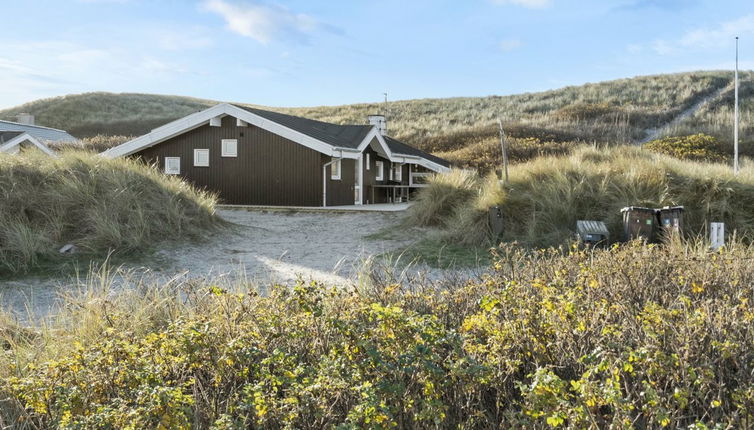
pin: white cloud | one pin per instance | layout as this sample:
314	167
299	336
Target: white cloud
716	38
720	36
507	45
261	22
532	4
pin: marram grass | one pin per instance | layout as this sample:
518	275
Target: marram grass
97	204
545	197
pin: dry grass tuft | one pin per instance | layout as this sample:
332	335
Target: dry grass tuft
99	205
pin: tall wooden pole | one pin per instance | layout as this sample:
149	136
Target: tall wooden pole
735	117
504	148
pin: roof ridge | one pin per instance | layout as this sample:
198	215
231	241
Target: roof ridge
251	109
32	125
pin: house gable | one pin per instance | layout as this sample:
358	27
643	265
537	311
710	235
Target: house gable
13	146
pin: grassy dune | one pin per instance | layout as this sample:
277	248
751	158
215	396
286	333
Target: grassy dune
631	337
546	196
463	129
98	205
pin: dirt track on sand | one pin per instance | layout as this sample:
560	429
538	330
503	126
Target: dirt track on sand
263	246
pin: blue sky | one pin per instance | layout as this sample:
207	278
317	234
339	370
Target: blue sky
307	53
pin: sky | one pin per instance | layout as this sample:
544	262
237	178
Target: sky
311	53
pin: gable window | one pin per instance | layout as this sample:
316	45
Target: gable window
368	163
229	148
398	175
380	170
172	165
335	169
201	158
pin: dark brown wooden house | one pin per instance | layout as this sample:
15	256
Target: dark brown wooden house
257	157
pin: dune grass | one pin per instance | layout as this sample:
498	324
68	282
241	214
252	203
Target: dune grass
463	129
98	205
546	196
628	337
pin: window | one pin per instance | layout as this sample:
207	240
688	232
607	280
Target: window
201	158
335	169
398	175
172	165
229	148
390	169
380	171
368	163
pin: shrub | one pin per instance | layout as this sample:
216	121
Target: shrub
632	336
99	205
697	147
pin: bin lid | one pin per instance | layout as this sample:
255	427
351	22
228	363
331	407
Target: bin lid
637	209
672	208
592	227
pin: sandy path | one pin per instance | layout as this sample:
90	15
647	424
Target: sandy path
655	133
264	246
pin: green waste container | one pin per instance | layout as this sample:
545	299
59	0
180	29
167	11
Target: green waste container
639	223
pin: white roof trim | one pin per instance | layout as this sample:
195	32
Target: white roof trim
199	119
399	158
23	137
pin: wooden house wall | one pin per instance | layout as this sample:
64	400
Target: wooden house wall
269	169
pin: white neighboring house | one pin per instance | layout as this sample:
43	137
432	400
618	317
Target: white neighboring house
17	135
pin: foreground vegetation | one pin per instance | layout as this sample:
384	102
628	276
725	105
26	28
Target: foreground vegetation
545	197
463	130
95	204
629	337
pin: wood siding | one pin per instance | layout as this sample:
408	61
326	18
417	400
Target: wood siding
269	169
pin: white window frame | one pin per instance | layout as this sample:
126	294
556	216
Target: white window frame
335	171
368	161
225	151
196	157
398	172
169	171
380	171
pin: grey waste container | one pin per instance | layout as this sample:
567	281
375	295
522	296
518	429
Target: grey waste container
671	220
495	218
592	232
639	223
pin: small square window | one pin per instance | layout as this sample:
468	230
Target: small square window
172	165
335	169
229	148
201	158
380	170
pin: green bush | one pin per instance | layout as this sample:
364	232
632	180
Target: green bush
99	205
629	337
696	147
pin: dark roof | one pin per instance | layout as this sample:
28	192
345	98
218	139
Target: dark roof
345	136
398	147
6	136
43	134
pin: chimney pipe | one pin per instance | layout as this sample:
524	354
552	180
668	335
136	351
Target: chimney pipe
25	118
380	122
